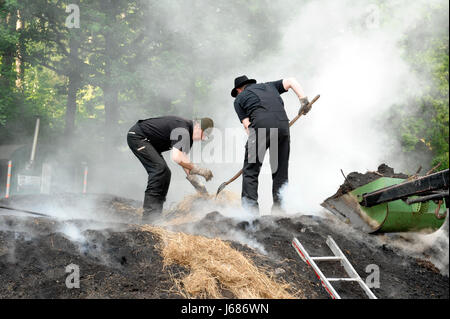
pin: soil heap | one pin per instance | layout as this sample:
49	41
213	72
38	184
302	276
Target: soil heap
119	259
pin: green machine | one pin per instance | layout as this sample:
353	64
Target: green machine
389	205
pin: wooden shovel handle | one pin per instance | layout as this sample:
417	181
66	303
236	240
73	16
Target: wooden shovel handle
235	177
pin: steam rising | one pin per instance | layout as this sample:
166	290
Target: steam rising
434	246
342	50
356	65
337	49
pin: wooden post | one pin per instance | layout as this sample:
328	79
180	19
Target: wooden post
33	149
85	180
8	179
46	177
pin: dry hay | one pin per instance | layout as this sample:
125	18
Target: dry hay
118	211
126	209
193	207
215	267
225	198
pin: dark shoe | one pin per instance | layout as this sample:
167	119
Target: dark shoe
152	209
149	217
277	210
251	206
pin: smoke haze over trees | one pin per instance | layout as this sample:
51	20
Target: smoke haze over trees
144	58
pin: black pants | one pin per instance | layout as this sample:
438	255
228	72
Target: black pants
255	150
158	172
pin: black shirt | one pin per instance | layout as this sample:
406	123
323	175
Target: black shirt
167	132
247	102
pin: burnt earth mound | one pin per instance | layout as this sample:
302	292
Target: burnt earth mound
118	259
34	254
355	179
401	275
97	207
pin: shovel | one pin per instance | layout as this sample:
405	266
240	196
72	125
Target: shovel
198	186
235	177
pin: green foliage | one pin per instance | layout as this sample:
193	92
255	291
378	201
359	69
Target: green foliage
422	125
141	58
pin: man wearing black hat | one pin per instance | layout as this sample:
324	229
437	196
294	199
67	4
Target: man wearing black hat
149	138
260	109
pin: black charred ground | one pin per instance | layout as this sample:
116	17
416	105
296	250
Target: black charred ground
118	260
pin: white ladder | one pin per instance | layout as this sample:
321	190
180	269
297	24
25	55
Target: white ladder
338	255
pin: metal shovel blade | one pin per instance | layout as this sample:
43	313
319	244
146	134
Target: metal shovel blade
221	188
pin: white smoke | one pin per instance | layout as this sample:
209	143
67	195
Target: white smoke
336	49
344	50
433	247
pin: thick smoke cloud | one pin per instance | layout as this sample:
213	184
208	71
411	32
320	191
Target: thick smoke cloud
343	50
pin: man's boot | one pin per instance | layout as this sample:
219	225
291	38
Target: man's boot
152	209
277	209
251	206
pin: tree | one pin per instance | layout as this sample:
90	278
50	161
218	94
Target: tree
57	47
422	125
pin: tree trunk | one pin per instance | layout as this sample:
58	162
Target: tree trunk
73	86
110	88
8	54
19	64
110	96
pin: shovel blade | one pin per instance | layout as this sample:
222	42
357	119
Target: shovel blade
221	188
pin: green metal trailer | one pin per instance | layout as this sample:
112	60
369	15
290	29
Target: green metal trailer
395	205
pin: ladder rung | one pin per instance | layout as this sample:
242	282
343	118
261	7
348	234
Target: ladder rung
343	279
338	255
329	258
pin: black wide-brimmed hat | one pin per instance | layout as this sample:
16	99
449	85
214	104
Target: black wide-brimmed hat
240	81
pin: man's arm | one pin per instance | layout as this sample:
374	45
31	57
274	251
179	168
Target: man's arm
246	123
243	117
292	83
182	159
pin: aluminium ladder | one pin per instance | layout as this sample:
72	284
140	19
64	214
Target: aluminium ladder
338	256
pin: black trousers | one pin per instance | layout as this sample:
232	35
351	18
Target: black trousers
158	172
265	129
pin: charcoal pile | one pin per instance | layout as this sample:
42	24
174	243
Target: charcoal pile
119	259
355	179
401	275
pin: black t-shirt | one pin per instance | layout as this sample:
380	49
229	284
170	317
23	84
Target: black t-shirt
247	102
167	132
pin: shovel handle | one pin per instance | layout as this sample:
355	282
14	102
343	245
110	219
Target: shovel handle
235	177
